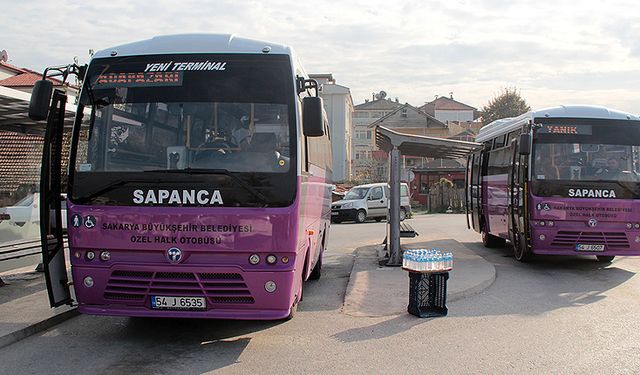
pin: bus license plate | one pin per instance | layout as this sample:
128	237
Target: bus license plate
178	303
335	213
584	247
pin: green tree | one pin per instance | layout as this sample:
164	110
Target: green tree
508	103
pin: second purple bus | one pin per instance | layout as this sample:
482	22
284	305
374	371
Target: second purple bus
558	181
199	180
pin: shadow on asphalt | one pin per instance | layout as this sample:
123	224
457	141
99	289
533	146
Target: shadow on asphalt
197	345
387	328
544	284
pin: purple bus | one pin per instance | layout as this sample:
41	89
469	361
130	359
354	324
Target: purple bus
558	181
199	180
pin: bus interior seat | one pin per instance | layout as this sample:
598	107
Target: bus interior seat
263	142
599	163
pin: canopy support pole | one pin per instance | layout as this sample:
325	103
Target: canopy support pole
395	256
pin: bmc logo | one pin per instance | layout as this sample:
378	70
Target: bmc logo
174	255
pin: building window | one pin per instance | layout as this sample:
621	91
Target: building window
403	113
368	134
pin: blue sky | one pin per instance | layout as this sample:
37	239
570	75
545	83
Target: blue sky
555	52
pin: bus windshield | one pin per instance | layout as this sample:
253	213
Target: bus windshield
227	118
592	155
587	162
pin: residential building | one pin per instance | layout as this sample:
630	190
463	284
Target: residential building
339	107
21	139
367	159
447	109
409	120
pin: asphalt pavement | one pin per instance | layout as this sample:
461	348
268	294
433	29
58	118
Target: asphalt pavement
554	315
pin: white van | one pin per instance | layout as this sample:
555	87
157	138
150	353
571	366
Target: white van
369	201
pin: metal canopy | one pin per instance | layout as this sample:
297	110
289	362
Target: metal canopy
14	113
423	146
397	144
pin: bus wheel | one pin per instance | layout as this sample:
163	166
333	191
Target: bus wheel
520	250
361	216
489	240
605	258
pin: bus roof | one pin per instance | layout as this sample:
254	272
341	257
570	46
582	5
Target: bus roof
194	43
507	125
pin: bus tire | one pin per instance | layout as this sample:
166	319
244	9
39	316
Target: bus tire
605	258
361	216
491	241
520	249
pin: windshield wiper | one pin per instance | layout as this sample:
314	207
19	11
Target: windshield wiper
264	200
117	184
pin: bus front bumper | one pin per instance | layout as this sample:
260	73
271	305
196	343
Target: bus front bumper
229	292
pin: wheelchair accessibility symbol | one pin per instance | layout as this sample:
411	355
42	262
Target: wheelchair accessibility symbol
89	221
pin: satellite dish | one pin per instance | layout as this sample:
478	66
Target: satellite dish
382	94
4	56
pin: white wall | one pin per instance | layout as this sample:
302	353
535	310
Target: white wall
339	108
449	115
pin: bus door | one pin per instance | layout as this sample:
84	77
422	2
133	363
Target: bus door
518	232
473	192
51	237
467	190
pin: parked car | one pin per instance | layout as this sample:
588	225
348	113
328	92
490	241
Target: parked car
369	201
28	210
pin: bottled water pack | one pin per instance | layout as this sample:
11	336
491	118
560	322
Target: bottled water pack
427	260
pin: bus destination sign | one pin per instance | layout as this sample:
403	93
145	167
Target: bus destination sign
141	79
565	129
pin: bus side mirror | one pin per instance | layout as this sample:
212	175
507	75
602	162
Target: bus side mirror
40	100
525	144
312	120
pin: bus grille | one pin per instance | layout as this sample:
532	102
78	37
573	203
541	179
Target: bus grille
612	240
218	288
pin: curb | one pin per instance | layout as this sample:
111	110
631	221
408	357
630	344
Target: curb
40	326
367	258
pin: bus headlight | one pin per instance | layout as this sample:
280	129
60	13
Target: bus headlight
272	259
90	255
629	225
270	286
284	260
550	223
636	225
105	256
637	239
88	281
542	237
254	259
541	223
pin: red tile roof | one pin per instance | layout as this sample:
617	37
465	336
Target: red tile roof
20	159
26	79
15	69
446	104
